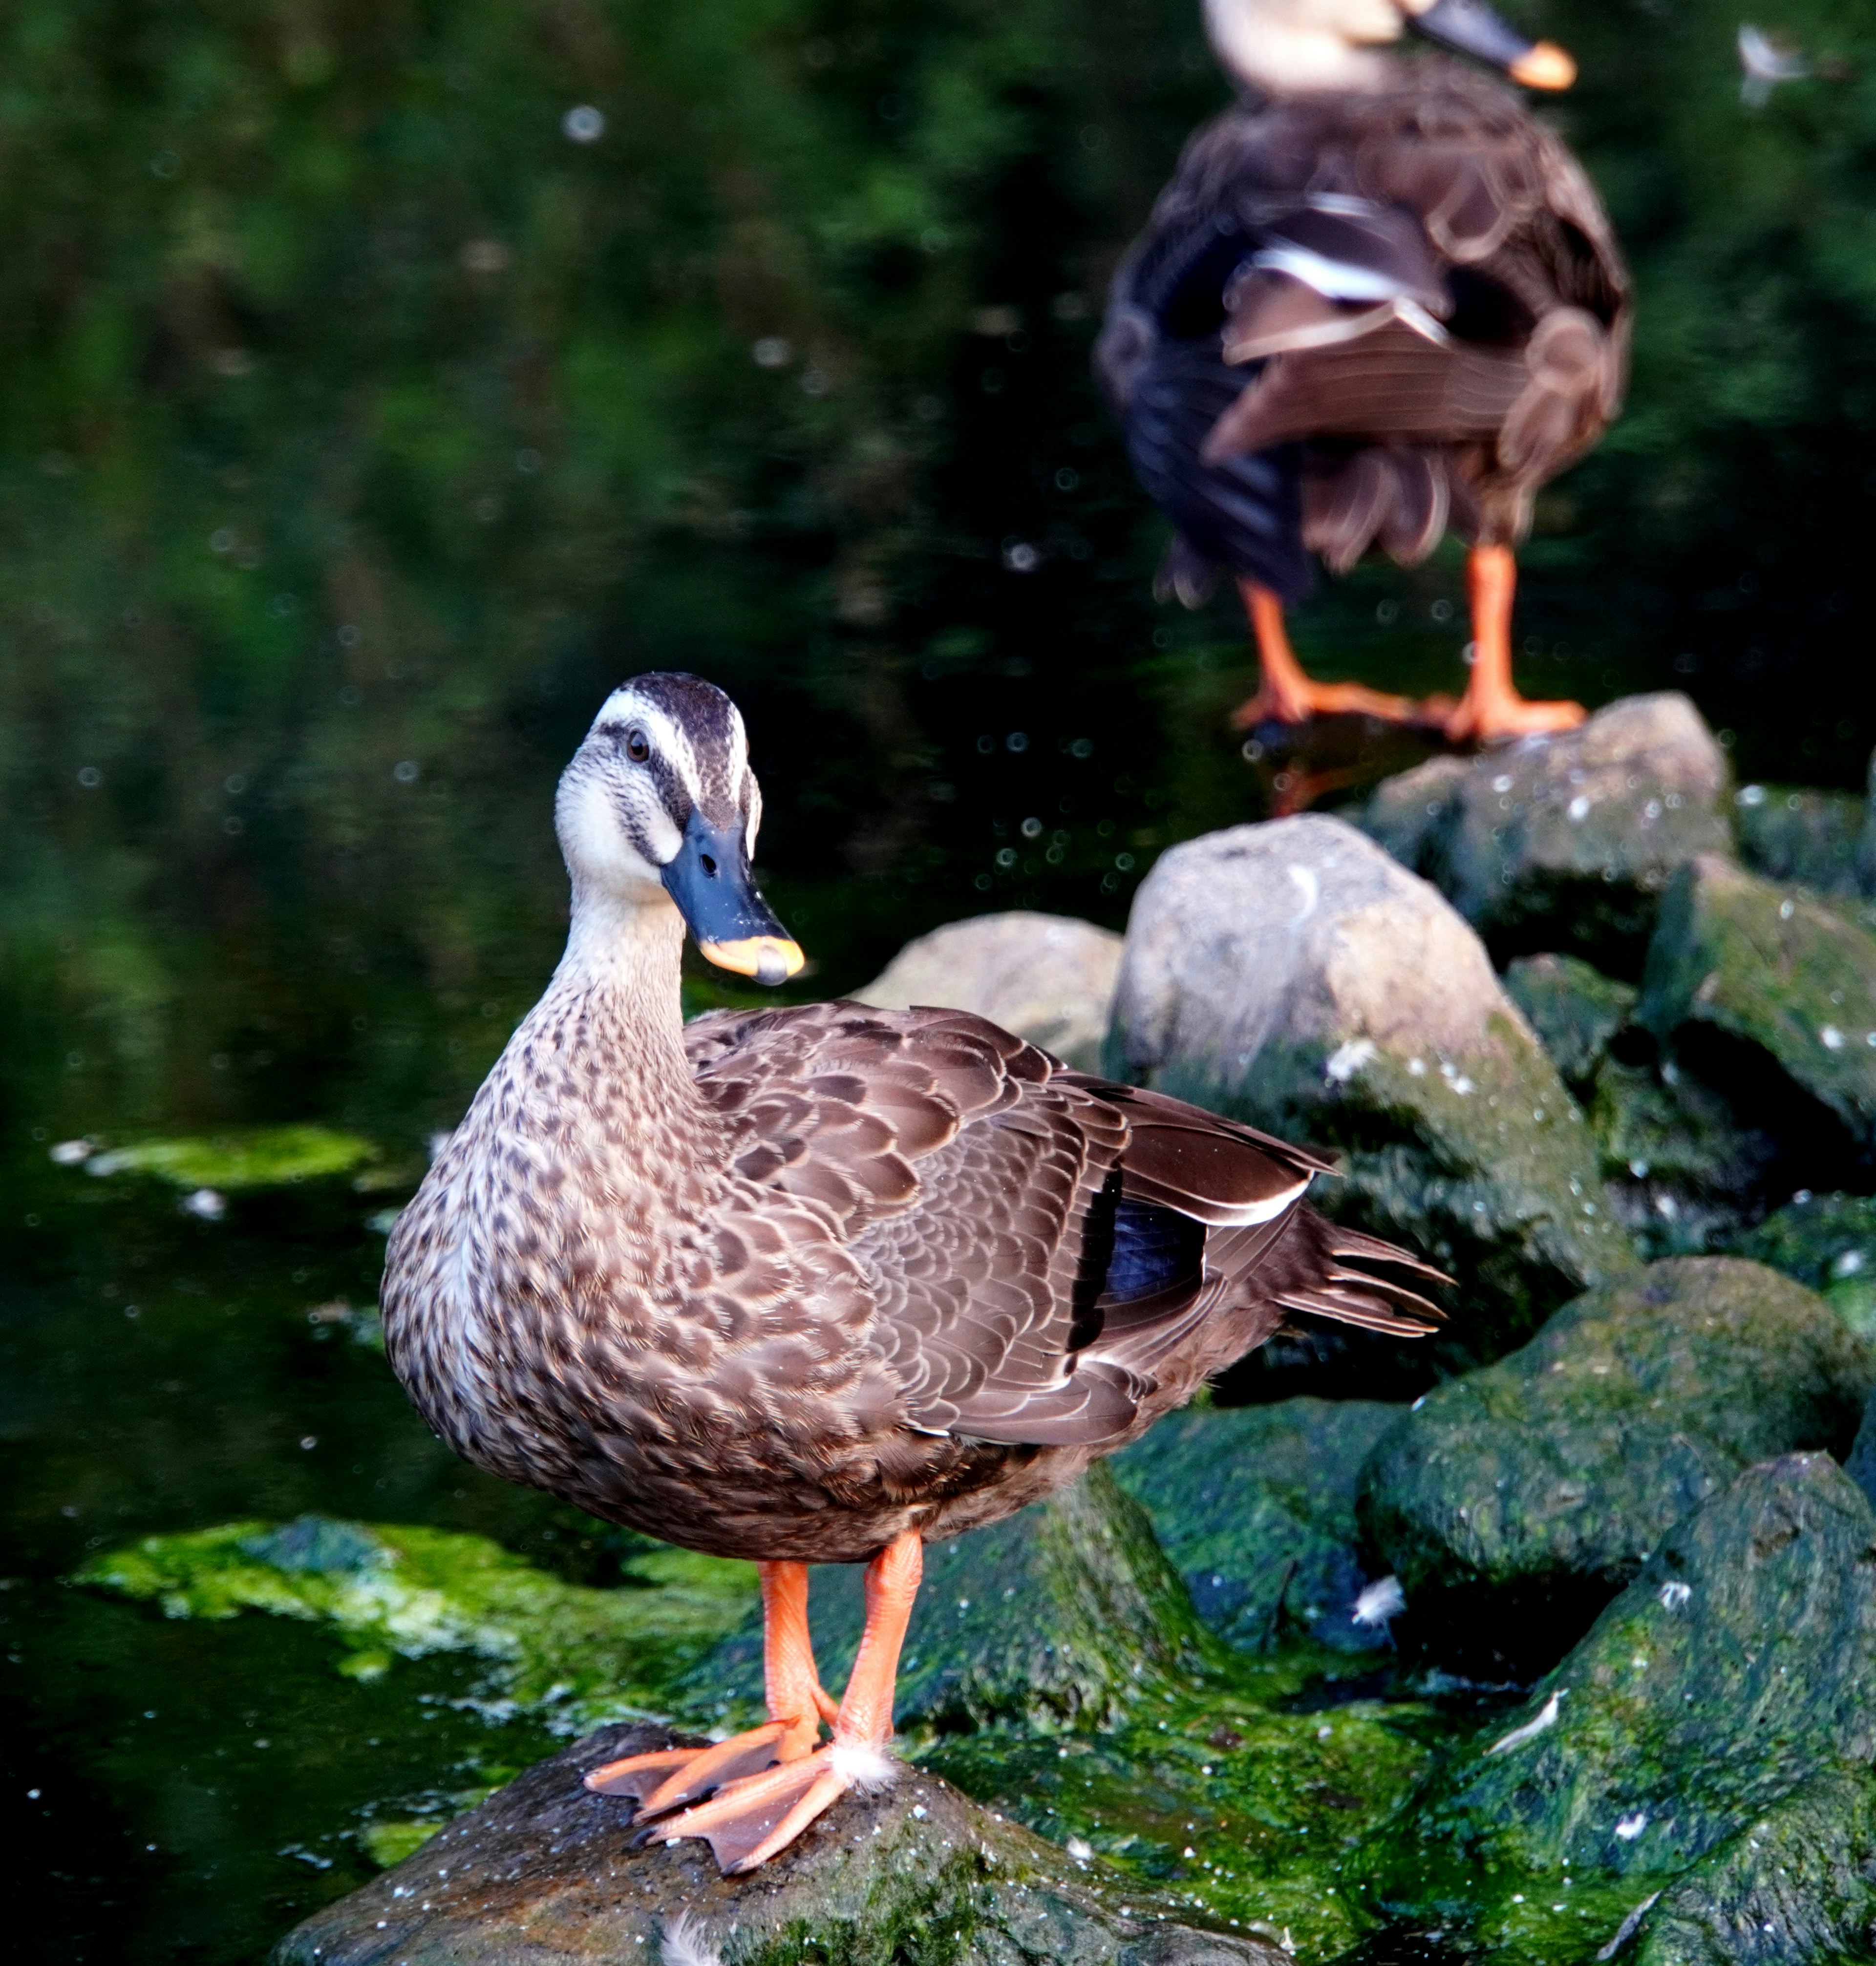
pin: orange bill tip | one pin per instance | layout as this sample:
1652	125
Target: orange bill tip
769	959
1546	66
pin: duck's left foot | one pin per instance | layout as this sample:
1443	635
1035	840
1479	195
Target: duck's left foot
669	1777
1483	719
748	1820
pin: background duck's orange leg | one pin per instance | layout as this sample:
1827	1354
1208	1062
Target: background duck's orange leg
1285	695
796	1705
1491	706
748	1821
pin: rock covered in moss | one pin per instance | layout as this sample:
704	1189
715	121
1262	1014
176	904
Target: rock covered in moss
1573	1457
1573	1007
1566	841
1778	985
1795	832
1798	1883
543	1874
1256	1506
1739	1664
1828	1242
575	1654
1048	978
1067	1614
252	1157
1292	974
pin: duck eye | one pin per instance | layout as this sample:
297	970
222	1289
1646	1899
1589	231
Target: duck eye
637	746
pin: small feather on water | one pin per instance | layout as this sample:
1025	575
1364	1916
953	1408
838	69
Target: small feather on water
686	1941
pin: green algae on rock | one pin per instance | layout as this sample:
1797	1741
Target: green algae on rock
1256	1814
1356	1009
1566	841
575	1655
1065	1615
1796	833
1798	1883
255	1157
1780	978
1570	1459
1256	1506
1828	1242
1574	1008
544	1874
1739	1665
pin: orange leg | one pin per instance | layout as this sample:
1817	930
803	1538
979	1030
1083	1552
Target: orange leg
796	1705
747	1821
1285	695
1491	706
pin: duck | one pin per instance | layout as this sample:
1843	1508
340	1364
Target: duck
1378	302
814	1283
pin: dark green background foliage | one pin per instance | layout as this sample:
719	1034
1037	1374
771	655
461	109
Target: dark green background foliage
354	417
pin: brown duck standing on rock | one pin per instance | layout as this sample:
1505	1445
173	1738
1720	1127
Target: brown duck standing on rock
817	1284
1378	300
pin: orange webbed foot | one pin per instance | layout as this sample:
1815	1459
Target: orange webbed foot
1495	720
1300	702
670	1777
748	1821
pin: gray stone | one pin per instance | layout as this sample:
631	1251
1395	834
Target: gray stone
1793	833
1574	1008
1754	981
543	1874
1067	1615
1566	840
1572	1458
1049	978
1256	1506
1798	1883
1292	974
1738	1665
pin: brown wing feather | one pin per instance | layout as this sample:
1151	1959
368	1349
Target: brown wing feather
966	1172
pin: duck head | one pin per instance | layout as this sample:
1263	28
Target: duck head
1283	47
659	808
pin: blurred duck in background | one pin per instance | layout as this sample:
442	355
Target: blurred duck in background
1377	301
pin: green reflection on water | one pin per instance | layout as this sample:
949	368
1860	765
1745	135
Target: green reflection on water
363	426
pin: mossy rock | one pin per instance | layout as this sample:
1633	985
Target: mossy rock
1066	1615
1256	1506
1798	1883
1566	1463
1828	1242
1574	1008
1795	832
255	1157
1738	1665
1293	975
1770	991
545	1873
1566	842
576	1655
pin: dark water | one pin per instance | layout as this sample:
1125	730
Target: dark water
363	426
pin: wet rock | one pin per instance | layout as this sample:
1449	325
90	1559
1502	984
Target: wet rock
1795	833
1828	1242
1292	974
1573	1007
543	1874
574	1654
1256	1506
1798	1883
1565	1464
1772	992
1049	978
1065	1615
1738	1665
1567	841
1861	1465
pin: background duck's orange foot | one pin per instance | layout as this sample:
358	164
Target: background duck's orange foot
670	1777
1299	702
747	1821
1489	720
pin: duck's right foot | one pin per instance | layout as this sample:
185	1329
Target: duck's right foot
1301	701
669	1777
